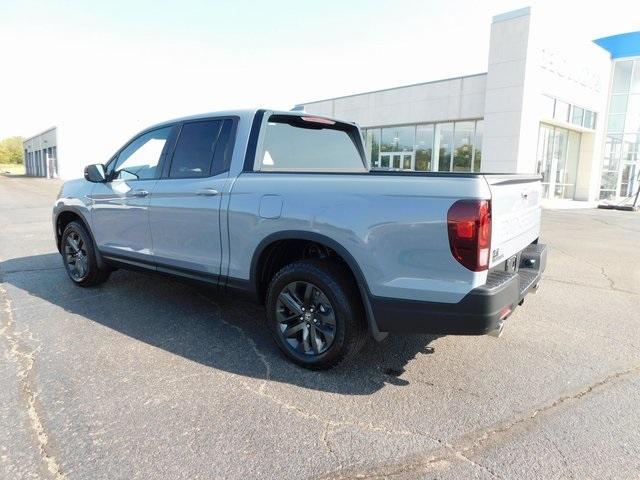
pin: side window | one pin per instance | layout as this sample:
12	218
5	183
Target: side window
203	149
139	159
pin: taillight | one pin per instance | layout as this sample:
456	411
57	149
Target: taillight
469	225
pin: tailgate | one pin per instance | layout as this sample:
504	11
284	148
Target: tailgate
515	214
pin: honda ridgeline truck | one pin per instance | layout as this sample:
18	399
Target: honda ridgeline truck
284	207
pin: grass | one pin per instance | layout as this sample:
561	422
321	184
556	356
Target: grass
12	168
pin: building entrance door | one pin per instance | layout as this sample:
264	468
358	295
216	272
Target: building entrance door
558	155
398	160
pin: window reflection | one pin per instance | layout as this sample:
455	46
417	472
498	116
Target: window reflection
622	77
372	145
463	146
444	139
477	154
397	139
445	147
620	162
424	147
562	111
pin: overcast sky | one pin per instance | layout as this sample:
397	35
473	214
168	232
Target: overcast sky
153	60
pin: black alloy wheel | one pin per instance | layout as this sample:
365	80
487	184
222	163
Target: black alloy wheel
80	257
315	313
306	318
75	256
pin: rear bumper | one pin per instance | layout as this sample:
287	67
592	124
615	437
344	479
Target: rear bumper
481	311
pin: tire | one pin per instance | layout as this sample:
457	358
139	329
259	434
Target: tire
82	268
310	338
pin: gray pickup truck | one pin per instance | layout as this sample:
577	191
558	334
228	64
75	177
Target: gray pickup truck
283	207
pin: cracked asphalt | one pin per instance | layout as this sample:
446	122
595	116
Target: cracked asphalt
146	378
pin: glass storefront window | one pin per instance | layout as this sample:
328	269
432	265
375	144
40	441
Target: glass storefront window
607	194
616	123
567	169
635	79
621	162
632	122
576	115
618	104
558	156
622	77
629	180
477	144
545	148
609	180
424	147
463	146
631	148
372	145
612	152
566	112
444	141
562	111
589	119
397	139
448	146
548	105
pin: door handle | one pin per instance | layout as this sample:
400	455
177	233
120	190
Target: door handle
207	192
139	193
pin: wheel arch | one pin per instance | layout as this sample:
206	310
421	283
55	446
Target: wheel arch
68	215
261	257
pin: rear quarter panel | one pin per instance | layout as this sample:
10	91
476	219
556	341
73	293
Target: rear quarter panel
393	227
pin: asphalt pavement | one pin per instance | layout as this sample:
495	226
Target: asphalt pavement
145	377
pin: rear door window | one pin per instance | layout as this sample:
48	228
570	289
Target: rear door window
293	143
203	149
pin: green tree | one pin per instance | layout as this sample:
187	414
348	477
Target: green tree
11	150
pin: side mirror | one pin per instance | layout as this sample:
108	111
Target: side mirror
95	173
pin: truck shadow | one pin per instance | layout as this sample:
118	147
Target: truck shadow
205	326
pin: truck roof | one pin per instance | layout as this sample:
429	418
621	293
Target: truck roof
244	114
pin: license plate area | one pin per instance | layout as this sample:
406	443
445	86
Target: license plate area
511	264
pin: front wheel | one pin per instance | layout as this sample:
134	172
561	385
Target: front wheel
79	257
315	314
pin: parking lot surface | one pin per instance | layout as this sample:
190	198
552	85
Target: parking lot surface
145	377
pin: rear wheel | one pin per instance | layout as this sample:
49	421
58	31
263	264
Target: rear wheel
315	314
79	257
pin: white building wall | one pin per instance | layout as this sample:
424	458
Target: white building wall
575	72
443	100
504	93
526	63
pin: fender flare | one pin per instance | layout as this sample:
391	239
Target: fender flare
334	245
78	211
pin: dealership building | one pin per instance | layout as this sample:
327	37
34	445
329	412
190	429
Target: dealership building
570	112
566	109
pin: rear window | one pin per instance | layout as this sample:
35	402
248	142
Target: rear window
293	143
